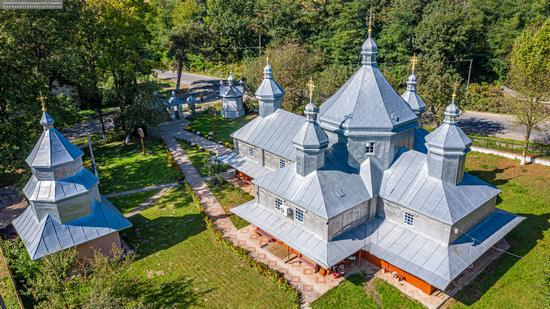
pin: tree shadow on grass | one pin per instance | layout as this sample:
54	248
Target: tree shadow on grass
176	293
522	240
150	236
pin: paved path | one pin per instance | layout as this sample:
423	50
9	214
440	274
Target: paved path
208	201
501	126
203	142
150	188
148	203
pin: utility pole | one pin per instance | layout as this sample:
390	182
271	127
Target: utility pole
92	153
469	74
260	45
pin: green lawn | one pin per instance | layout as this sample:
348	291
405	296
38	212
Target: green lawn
124	167
351	293
509	282
230	196
127	203
7	290
177	253
222	127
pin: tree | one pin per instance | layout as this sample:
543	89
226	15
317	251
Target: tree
451	31
293	65
435	85
529	75
184	40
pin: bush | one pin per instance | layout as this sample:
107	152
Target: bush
485	98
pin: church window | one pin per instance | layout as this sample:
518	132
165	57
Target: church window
369	148
409	218
299	215
282	163
251	151
278	203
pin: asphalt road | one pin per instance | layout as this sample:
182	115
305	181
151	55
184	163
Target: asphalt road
200	86
501	126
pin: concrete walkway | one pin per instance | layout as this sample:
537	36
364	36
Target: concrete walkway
201	141
208	201
150	188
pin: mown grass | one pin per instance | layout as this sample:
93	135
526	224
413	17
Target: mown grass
7	289
221	127
128	202
350	293
511	282
123	167
176	251
230	196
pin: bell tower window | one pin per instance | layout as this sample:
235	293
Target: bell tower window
369	148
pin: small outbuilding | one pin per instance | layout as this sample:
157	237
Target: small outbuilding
232	97
65	208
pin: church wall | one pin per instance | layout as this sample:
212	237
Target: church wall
403	139
472	219
312	222
431	227
75	207
348	219
272	161
243	151
383	151
102	244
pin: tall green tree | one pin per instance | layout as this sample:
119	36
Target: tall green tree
530	76
293	65
451	31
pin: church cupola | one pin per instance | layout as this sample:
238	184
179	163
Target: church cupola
369	50
411	96
447	148
269	93
311	141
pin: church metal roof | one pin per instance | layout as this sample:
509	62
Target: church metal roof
49	236
326	192
411	96
269	88
57	190
52	149
244	165
408	184
273	133
430	260
322	252
367	102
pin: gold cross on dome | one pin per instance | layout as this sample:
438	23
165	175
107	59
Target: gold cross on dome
311	87
370	21
455	89
41	98
267	60
414	61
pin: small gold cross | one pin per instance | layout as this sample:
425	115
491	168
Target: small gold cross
414	61
311	86
267	60
41	98
370	21
455	89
